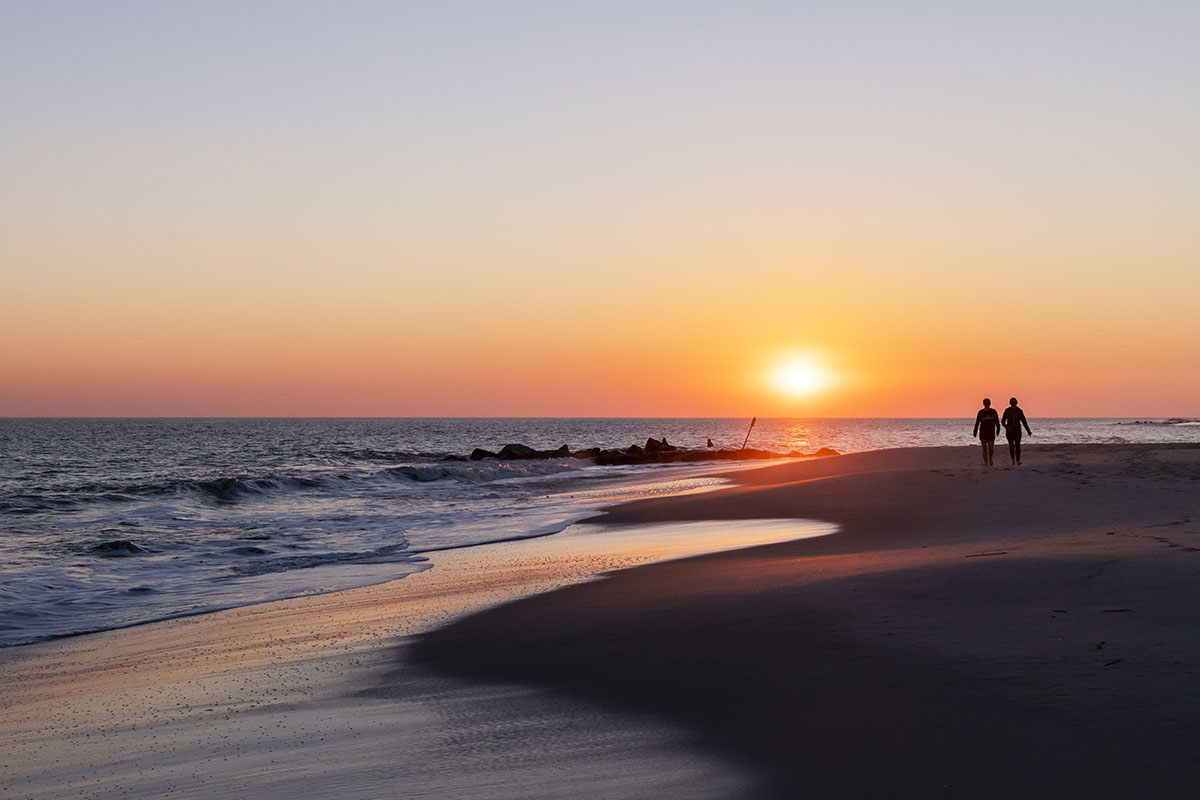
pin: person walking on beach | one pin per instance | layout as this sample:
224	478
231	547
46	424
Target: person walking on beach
987	422
1012	421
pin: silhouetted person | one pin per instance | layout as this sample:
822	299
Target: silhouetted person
1012	421
987	422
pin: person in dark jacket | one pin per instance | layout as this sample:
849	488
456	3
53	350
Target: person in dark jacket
1012	421
987	423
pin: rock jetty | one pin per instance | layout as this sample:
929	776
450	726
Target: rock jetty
654	451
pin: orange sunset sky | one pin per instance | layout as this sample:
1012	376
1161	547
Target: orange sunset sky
598	209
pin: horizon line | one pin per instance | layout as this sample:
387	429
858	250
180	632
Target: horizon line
532	417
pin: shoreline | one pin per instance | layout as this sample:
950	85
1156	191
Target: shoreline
198	690
693	661
587	510
352	573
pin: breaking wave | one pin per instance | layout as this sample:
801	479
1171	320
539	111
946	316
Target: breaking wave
231	489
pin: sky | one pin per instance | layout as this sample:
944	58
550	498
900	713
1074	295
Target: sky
598	209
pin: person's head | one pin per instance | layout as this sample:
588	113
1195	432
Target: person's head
1012	401
987	402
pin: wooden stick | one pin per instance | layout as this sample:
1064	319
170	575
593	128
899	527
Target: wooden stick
752	421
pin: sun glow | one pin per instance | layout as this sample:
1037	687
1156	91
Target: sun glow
798	378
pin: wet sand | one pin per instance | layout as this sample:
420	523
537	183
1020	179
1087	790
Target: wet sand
315	697
968	632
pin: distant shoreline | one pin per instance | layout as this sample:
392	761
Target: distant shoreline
1150	418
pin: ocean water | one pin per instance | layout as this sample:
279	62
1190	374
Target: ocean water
105	523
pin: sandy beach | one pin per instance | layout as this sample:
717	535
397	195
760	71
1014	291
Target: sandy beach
966	632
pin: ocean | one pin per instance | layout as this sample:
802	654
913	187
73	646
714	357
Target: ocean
112	522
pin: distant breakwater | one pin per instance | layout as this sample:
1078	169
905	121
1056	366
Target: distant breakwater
654	451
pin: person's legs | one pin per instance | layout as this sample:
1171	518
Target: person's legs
988	445
1014	448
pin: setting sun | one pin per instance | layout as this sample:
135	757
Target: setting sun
799	378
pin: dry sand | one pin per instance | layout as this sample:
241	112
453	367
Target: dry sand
968	632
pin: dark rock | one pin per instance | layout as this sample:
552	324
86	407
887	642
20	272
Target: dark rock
749	453
514	452
654	451
511	452
613	456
